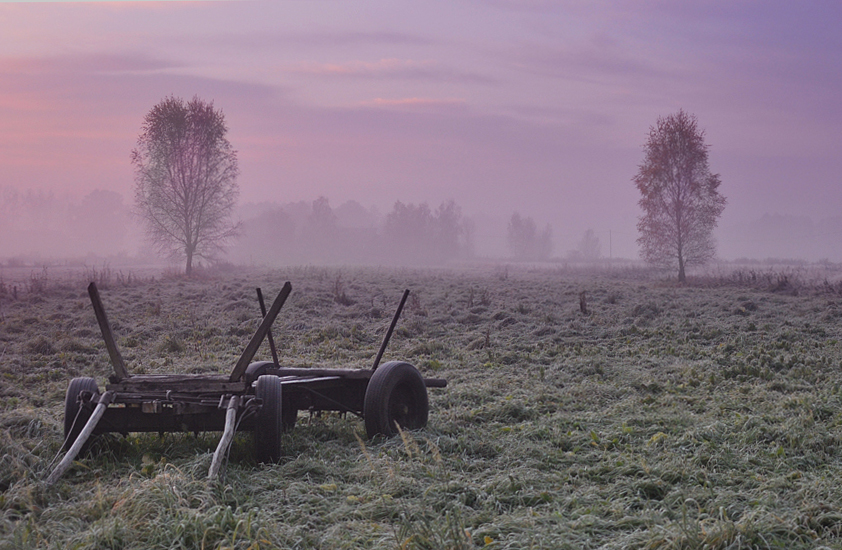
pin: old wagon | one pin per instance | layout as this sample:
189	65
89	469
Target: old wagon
263	397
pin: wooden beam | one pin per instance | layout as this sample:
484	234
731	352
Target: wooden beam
272	347
186	383
116	359
257	339
390	331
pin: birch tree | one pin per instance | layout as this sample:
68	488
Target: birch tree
680	196
186	179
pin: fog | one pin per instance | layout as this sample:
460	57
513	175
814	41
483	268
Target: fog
537	109
42	228
783	237
37	227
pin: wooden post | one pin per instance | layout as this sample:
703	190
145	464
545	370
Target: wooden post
583	302
110	344
86	432
254	343
227	436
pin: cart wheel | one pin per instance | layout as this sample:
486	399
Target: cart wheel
396	394
269	422
256	370
75	416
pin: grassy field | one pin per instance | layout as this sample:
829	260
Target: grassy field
698	416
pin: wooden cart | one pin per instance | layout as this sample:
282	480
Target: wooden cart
262	396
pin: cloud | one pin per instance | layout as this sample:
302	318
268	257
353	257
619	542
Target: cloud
69	122
418	103
537	6
272	41
597	59
84	64
390	68
384	67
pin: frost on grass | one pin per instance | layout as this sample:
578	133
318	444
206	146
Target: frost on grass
699	416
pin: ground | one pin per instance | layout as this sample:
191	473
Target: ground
704	415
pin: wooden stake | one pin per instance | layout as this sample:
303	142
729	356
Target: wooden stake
116	359
390	331
583	302
254	343
227	436
269	332
86	432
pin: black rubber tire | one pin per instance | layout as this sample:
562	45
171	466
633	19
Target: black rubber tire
396	393
269	422
72	424
289	415
256	370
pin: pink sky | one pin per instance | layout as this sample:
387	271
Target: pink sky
531	105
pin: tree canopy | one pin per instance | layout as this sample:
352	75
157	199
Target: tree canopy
186	179
680	196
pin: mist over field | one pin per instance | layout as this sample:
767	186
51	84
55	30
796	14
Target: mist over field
39	227
42	226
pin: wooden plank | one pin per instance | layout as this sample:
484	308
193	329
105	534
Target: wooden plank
312	373
116	359
300	381
257	339
177	384
174	378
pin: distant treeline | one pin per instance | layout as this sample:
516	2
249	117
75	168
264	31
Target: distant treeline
38	227
314	232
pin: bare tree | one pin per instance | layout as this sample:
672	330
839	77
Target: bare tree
186	179
680	196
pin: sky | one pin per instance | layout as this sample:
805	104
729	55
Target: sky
535	106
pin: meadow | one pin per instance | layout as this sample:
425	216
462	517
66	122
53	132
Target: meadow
704	415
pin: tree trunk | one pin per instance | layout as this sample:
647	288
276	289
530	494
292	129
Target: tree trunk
189	269
681	277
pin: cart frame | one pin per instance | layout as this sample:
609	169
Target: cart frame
263	396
